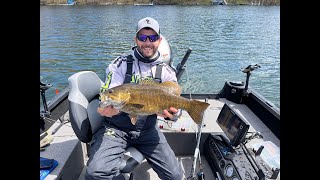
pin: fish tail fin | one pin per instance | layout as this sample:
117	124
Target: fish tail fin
196	110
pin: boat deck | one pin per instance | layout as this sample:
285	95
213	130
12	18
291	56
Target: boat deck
71	153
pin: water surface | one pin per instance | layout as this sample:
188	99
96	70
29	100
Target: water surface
223	40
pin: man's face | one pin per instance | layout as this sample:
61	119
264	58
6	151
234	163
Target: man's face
147	48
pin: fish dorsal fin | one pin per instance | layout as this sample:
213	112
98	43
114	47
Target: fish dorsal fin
169	86
172	87
150	82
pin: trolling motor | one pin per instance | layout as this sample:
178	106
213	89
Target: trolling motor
248	70
45	113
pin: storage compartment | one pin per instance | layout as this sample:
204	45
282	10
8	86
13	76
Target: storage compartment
234	91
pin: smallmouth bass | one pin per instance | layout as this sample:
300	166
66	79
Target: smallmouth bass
149	97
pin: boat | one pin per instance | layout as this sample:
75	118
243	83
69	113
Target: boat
71	2
219	2
147	4
238	138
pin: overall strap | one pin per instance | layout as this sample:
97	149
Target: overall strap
129	69
128	77
157	76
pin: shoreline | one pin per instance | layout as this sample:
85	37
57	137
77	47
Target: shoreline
163	2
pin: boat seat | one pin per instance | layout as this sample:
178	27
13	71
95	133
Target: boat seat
166	53
85	121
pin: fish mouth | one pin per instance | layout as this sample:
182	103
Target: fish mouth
117	101
108	102
104	104
119	105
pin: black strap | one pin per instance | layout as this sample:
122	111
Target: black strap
157	76
128	76
129	69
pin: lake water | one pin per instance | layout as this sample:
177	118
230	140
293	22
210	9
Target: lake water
223	40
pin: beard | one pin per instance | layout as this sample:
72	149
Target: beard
147	51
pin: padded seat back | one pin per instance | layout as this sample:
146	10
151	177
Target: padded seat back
83	104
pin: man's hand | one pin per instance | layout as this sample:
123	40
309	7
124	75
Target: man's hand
167	114
108	111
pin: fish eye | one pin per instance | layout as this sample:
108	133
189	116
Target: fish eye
110	91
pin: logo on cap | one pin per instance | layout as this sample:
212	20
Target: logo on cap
148	21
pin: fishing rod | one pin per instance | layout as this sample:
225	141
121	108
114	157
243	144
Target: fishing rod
200	174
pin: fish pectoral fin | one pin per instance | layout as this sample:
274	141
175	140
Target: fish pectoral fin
133	119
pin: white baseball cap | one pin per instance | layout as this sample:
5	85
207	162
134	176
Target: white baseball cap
150	23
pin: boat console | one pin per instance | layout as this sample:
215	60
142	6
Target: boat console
227	154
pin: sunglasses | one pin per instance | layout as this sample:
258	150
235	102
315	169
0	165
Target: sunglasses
152	38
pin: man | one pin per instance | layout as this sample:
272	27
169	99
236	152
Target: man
145	135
